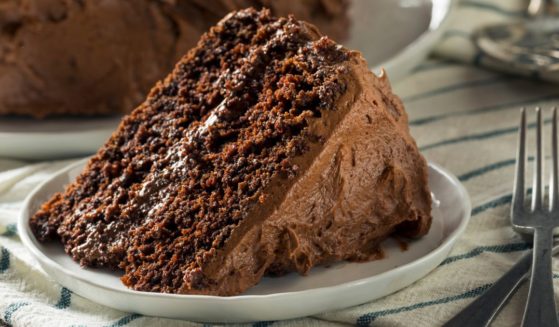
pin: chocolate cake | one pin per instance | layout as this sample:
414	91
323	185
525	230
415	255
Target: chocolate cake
99	57
268	149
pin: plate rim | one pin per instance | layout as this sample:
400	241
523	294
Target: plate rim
29	241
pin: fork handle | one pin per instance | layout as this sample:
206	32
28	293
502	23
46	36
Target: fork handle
483	310
540	307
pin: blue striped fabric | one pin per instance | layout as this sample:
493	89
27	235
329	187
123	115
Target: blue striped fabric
11	309
124	320
487	132
502	106
4	259
367	319
491	7
479	136
461	85
65	299
501	248
11	230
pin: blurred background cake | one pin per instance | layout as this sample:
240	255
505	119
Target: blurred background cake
99	57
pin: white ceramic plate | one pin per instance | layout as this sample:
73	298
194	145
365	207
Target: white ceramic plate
324	289
394	34
30	139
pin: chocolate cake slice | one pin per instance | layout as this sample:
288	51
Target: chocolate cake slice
268	149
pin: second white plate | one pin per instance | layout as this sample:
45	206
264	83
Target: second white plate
53	138
324	289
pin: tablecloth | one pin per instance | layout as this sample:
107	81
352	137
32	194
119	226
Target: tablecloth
463	118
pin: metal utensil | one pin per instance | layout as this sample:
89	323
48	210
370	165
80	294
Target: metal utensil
531	45
539	221
483	310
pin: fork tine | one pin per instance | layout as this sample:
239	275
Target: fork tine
519	190
554	183
540	306
537	188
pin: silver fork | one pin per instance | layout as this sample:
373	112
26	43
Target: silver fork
540	307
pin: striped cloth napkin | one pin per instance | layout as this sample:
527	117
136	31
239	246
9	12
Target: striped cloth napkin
463	118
